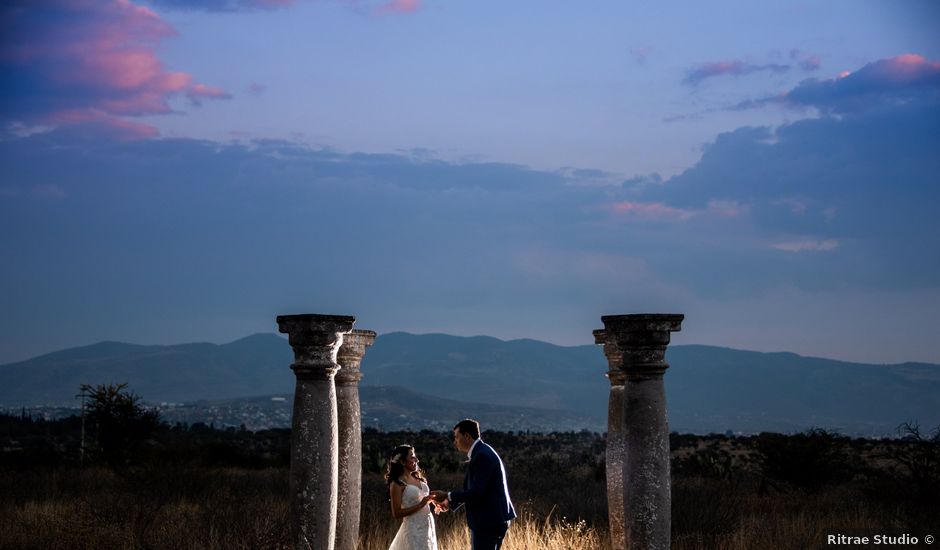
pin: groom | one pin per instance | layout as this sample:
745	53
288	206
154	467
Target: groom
489	509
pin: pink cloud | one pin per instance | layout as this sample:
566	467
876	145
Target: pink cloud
92	62
808	245
905	69
198	92
661	211
101	124
726	209
399	6
268	4
729	68
650	210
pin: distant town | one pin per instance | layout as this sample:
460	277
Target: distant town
268	412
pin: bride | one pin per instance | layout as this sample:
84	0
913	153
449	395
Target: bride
410	496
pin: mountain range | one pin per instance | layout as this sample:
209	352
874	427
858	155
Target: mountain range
431	378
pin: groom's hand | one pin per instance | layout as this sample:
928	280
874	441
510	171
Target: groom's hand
441	506
439	496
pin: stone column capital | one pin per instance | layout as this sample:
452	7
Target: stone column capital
316	340
350	355
640	341
614	357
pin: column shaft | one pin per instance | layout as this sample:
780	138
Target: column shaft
349	492
647	496
615	459
639	345
615	448
315	340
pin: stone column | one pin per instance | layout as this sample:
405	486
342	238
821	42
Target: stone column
350	437
316	340
615	448
641	340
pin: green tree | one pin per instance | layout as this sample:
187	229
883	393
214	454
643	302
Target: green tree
120	423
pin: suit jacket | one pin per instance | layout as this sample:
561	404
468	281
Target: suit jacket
484	493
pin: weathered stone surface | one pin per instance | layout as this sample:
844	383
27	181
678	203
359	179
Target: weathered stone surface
615	446
635	346
350	437
647	498
316	340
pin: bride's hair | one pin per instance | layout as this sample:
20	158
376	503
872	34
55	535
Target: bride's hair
395	469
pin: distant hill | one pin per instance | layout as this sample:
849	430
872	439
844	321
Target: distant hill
256	365
708	388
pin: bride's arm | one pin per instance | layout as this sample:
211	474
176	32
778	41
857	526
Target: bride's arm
398	512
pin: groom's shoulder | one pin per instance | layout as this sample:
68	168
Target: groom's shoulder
487	449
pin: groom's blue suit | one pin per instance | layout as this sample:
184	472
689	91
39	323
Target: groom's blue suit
486	497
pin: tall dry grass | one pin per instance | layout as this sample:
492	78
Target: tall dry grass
543	521
213	509
528	532
558	490
239	508
185	509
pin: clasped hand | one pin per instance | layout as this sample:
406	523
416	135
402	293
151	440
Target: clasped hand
440	501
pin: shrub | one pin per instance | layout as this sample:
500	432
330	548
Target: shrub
808	461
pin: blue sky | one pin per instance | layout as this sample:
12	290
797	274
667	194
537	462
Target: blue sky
186	171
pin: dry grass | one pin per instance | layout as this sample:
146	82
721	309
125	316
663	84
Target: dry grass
234	508
212	509
95	508
559	493
528	532
793	520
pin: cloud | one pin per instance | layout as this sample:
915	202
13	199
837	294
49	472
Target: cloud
861	184
727	208
650	210
94	63
399	6
641	182
828	201
660	211
185	229
812	245
884	83
92	122
641	53
198	92
365	7
808	63
697	75
889	81
223	5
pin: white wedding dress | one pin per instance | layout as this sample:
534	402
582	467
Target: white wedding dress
417	530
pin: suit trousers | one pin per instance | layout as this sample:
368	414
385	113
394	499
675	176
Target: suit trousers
489	539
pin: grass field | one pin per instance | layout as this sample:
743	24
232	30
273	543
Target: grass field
723	496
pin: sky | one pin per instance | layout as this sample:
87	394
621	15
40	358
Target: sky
186	170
